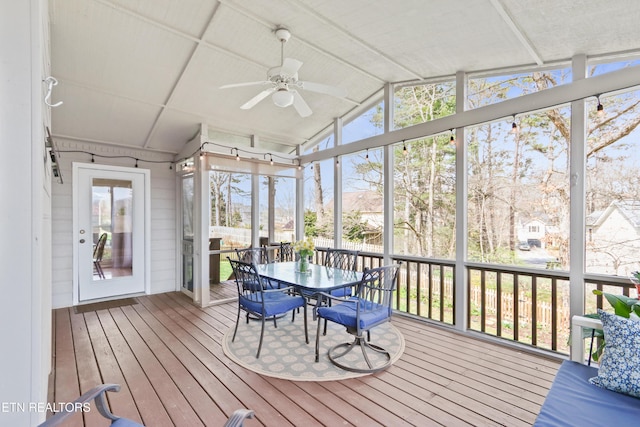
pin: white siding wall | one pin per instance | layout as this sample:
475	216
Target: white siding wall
25	310
163	217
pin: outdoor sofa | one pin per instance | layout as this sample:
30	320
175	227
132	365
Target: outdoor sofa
574	401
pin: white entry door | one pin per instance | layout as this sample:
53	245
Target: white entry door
111	231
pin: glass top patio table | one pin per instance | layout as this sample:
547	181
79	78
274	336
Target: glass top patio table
321	278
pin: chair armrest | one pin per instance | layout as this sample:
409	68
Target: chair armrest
97	393
237	418
577	340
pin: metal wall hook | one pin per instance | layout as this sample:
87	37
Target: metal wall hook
51	82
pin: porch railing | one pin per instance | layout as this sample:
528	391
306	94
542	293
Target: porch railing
526	305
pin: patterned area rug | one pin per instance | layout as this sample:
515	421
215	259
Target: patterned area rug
285	355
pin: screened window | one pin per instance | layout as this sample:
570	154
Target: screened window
519	190
364	126
362	206
424	198
422	103
613	185
492	90
318	198
230	208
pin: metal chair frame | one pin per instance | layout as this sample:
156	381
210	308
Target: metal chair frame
253	255
374	296
258	300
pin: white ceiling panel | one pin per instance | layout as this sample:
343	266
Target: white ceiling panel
136	71
172	129
102	47
187	16
562	28
96	116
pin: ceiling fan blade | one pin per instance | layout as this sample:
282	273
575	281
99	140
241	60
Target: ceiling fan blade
338	92
263	82
290	67
259	97
300	105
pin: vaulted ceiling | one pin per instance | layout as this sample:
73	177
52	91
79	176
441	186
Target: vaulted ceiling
146	74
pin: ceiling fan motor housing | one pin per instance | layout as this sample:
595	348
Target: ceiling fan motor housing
283	35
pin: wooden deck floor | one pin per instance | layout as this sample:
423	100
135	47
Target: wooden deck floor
223	290
167	356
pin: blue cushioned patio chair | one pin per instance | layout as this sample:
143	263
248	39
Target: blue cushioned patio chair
99	395
263	303
344	259
257	256
368	308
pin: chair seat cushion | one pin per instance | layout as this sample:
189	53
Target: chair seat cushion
345	314
274	303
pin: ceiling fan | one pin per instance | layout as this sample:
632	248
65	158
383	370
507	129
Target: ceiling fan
284	84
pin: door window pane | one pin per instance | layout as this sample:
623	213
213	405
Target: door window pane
112	228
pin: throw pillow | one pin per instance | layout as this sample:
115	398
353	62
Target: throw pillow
620	365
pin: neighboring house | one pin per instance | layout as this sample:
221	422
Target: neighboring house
532	231
369	204
613	239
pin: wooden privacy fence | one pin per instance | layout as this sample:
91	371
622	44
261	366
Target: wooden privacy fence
544	309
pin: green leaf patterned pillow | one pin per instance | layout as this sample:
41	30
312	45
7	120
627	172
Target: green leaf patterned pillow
620	365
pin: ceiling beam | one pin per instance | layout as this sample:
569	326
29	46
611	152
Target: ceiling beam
519	33
355	40
180	79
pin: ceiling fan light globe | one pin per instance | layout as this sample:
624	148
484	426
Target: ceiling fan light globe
282	98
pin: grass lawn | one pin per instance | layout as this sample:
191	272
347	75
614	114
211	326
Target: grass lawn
225	270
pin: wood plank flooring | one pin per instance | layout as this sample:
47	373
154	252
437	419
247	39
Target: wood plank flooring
223	290
167	356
